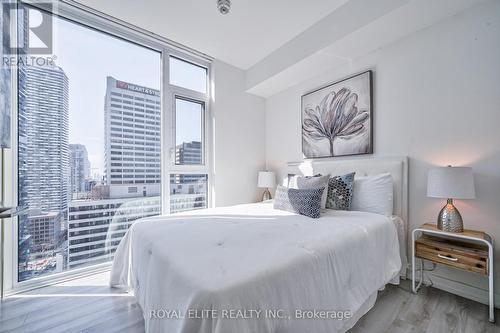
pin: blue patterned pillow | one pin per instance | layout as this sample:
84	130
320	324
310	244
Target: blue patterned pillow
339	194
304	201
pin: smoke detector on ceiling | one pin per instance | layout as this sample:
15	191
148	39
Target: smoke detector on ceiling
224	6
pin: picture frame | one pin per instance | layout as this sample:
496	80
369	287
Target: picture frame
337	119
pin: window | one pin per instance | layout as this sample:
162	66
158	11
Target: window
88	167
189	177
187	75
189	120
188	192
65	153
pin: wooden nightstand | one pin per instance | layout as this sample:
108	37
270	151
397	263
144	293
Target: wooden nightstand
470	250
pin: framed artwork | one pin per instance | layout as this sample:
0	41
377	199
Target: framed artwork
337	119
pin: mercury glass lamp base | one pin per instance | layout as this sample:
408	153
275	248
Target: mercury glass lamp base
449	218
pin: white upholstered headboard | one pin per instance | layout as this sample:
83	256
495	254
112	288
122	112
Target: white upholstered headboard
396	166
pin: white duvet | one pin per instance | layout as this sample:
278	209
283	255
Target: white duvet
212	271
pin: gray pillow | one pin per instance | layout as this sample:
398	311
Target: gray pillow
291	179
309	182
339	194
305	202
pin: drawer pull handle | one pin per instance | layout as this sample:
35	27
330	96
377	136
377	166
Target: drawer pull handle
447	258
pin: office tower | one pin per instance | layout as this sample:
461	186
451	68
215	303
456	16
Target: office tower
131	188
188	153
80	170
132	139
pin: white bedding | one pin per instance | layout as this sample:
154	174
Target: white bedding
252	257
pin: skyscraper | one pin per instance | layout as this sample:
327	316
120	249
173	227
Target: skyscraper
132	175
43	164
132	139
43	138
80	170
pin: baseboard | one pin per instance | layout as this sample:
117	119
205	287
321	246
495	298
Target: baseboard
459	288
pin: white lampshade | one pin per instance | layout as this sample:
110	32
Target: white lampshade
451	183
266	179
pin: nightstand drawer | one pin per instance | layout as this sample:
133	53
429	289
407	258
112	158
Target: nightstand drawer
469	257
470	250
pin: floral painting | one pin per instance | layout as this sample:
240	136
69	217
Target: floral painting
336	120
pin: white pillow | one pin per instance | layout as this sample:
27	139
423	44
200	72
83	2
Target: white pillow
373	194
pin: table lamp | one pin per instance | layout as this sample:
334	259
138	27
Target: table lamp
266	180
450	183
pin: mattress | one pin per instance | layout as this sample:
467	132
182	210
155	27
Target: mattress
251	268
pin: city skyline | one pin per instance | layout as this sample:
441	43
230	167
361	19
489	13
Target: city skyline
75	48
72	120
83	221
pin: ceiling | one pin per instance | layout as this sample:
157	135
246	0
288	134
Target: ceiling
280	43
251	31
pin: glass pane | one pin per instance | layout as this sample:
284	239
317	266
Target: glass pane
88	167
5	81
188	132
188	192
187	75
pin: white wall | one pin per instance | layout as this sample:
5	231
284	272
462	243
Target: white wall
239	137
436	100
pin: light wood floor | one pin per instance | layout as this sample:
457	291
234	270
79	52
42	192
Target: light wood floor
89	305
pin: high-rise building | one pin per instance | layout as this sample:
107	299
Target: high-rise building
131	188
80	170
44	229
43	138
43	162
132	139
188	153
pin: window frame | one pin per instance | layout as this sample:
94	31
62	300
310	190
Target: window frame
183	59
93	19
207	135
202	127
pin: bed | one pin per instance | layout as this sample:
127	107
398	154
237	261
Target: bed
251	268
